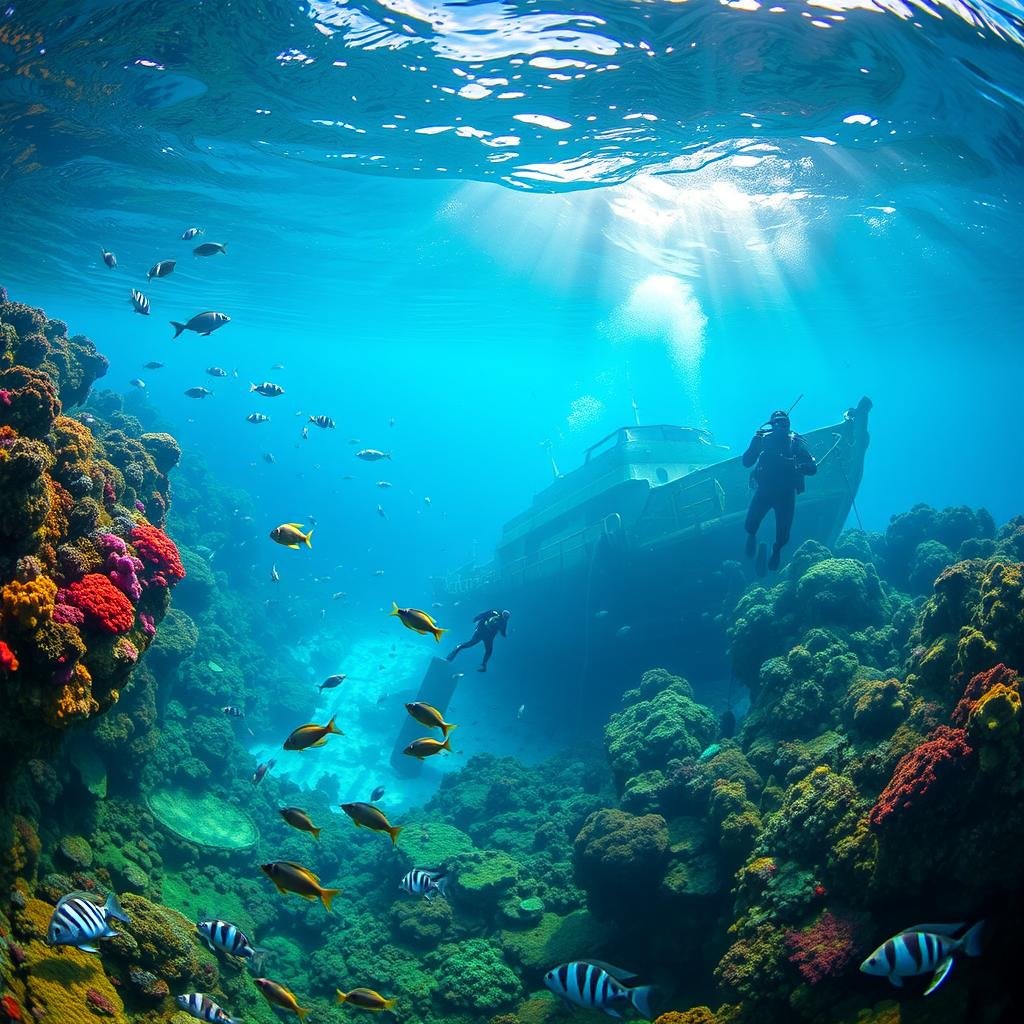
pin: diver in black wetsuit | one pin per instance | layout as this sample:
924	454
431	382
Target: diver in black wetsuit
782	462
488	625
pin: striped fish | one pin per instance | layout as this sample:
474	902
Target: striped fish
189	233
598	986
923	949
324	422
140	302
228	938
203	1007
77	921
425	882
232	712
161	269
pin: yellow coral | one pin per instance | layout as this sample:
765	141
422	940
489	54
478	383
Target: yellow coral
994	725
28	604
57	980
76	699
73	442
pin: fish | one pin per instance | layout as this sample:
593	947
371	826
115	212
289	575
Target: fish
152	365
923	949
368	816
108	257
426	499
216	371
415	619
424	882
198	392
332	681
189	233
602	614
278	995
268	458
338	595
210	249
599	986
383	483
267	390
228	938
366	999
376	794
278	366
202	1007
233	712
261	770
311	735
202	323
138	382
428	715
427	747
709	752
290	534
372	455
305	434
324	422
257	417
378	572
623	630
291	877
161	269
381	512
300	820
520	712
275	576
139	302
78	921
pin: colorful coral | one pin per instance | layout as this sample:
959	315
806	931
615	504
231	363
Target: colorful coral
104	606
827	947
160	555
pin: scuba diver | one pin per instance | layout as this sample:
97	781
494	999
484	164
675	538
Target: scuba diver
488	625
782	462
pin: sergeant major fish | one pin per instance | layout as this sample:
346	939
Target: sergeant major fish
923	949
108	257
267	390
189	233
210	249
202	1007
77	921
599	986
257	417
228	938
232	712
153	365
425	882
216	371
139	302
372	455
324	422
198	392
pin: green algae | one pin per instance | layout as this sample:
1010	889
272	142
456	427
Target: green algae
204	820
433	844
197	898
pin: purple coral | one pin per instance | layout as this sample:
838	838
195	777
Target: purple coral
148	624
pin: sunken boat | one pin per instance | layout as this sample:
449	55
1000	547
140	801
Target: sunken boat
627	561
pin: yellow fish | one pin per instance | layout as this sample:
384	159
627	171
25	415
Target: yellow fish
368	816
427	747
290	535
311	735
429	716
278	995
299	819
365	998
291	877
418	621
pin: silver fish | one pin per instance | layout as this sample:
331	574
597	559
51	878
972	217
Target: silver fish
598	986
109	258
372	455
161	269
189	233
139	383
202	323
139	302
425	882
77	921
226	937
216	371
199	392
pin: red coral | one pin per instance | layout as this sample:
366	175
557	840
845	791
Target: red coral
100	1003
9	1006
159	553
918	773
8	662
979	685
104	605
826	948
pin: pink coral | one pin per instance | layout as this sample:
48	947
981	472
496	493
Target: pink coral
5	396
105	607
148	624
100	1003
979	685
928	767
826	948
159	553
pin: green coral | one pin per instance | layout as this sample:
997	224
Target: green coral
433	843
473	976
205	820
556	939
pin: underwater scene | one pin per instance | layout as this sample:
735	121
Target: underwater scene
511	511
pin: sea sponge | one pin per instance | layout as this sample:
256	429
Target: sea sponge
28	604
106	608
164	449
32	403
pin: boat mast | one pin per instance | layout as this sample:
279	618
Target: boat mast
632	395
548	446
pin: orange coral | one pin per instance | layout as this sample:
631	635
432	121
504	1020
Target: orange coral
76	699
28	604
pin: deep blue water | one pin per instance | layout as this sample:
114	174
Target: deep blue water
710	210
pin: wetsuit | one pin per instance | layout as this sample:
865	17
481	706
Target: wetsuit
488	625
782	463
